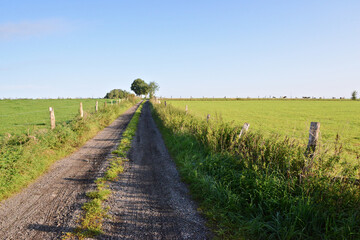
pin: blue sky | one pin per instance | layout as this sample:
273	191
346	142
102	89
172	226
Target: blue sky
190	48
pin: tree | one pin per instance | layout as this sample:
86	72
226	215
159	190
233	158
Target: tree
140	87
153	87
117	93
354	95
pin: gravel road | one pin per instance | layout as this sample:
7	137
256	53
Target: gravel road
149	200
52	204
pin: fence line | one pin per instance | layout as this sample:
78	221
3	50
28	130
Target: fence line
314	132
51	110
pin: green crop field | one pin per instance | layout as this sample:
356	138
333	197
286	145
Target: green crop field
18	116
287	117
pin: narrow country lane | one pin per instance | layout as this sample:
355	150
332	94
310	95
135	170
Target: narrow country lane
149	200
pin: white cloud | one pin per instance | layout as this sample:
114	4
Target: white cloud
31	28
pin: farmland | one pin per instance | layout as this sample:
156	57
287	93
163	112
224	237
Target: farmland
18	116
287	117
31	147
262	186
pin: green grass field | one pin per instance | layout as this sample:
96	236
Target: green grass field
287	117
18	116
24	155
265	187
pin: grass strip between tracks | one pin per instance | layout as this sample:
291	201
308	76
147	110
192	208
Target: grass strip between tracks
94	210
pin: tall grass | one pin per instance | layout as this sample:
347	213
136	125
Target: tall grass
260	187
288	118
24	157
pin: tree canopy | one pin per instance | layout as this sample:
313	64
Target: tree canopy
153	87
117	93
354	95
140	87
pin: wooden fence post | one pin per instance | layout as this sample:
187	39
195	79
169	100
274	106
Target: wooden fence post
186	109
105	104
165	104
208	118
52	118
244	129
313	137
81	111
97	106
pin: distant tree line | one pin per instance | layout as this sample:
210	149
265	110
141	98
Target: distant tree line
117	93
139	86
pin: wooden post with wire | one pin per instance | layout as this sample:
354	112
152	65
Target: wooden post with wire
52	118
97	106
81	110
313	138
244	129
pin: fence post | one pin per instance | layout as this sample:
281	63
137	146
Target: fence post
52	118
96	106
208	118
313	137
165	104
244	129
81	111
186	109
105	104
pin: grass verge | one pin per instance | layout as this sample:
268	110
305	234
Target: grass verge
24	157
94	210
258	187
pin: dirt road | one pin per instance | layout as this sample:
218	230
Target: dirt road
149	200
51	205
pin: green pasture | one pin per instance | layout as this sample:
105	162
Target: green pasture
287	117
18	116
265	187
